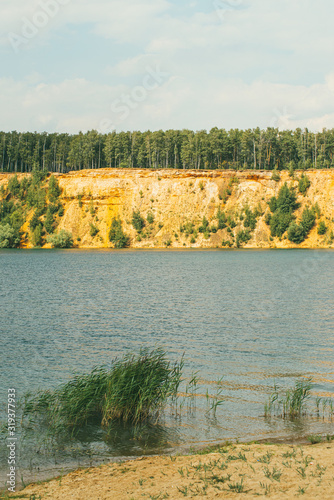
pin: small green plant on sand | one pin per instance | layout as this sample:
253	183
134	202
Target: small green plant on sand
314	439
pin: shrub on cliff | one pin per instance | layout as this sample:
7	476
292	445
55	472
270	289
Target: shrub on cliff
322	228
204	227
94	230
63	239
14	186
54	189
37	236
282	209
296	233
308	219
150	218
250	220
279	223
303	184
137	221
221	217
116	234
10	237
242	237
276	176
49	222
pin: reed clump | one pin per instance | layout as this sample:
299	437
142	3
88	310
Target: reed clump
135	389
291	403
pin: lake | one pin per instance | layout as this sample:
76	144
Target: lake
251	317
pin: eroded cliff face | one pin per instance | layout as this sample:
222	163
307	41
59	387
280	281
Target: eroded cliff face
176	198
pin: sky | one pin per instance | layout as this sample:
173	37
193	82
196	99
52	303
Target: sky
78	65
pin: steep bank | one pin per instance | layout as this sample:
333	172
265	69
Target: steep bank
173	203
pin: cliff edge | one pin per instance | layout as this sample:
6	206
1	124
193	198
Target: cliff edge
185	208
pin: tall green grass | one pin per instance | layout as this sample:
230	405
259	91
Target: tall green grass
134	390
291	403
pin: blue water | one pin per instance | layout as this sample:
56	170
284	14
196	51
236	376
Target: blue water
252	317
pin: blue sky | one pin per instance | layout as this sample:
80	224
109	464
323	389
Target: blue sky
70	65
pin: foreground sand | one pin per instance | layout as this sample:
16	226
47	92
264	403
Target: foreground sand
255	470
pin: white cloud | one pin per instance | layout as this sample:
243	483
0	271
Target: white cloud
79	104
261	63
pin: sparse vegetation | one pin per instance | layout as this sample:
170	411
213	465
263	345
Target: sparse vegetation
303	184
116	234
54	190
9	236
242	237
137	221
63	239
322	228
150	218
276	176
291	403
94	230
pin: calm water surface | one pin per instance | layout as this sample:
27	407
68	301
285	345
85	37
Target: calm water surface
252	317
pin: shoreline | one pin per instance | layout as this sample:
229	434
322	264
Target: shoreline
270	467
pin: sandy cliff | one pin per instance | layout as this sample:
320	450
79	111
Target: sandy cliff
178	197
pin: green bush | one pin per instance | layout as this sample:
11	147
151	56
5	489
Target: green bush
93	230
291	168
53	208
187	228
63	239
308	220
242	237
37	236
92	208
322	228
250	219
16	219
268	218
35	221
280	222
296	233
150	218
14	186
49	223
116	235
221	217
9	236
204	226
276	176
24	186
231	222
137	221
282	209
287	199
36	198
303	184
38	176
6	209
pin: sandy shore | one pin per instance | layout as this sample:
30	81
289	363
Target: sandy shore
274	471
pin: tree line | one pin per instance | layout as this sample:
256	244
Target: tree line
236	149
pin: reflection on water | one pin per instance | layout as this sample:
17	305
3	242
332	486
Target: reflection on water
251	317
